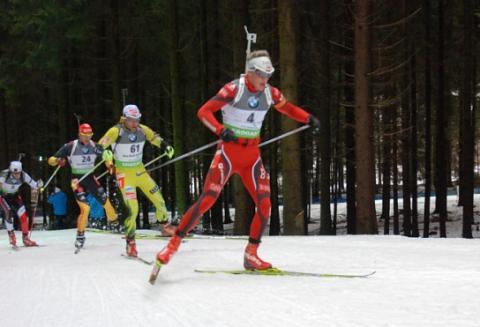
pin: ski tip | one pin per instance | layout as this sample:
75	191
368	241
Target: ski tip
152	280
155	270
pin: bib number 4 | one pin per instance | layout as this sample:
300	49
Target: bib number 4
251	118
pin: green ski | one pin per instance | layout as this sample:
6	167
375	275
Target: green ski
280	272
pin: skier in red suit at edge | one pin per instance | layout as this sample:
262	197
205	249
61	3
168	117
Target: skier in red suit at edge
244	103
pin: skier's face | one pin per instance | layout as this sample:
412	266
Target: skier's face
131	123
84	138
258	79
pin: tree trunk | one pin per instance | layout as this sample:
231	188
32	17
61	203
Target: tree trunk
413	143
428	118
5	136
115	57
325	134
349	94
387	165
365	165
178	114
244	207
441	139
467	115
273	164
449	13
405	127
204	80
338	167
293	214
396	224
213	69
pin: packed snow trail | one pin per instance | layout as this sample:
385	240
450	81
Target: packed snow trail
418	282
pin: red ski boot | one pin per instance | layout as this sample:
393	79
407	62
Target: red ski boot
167	229
27	241
167	252
131	248
12	238
251	261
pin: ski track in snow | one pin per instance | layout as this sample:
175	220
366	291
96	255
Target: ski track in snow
419	282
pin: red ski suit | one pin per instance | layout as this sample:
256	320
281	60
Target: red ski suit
241	156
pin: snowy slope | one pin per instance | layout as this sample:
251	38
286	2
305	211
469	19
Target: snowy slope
419	282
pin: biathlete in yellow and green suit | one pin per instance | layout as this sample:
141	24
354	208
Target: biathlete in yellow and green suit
127	140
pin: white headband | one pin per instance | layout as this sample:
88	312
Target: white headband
263	64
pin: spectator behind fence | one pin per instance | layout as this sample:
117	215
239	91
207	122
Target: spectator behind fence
58	200
97	213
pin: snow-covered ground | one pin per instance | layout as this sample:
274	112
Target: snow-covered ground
418	282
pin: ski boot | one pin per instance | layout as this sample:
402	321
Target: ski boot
131	248
167	229
251	261
114	226
80	241
12	238
167	252
27	241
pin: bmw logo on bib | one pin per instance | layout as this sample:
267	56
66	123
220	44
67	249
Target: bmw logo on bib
85	150
253	102
132	137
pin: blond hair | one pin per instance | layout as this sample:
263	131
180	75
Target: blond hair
258	53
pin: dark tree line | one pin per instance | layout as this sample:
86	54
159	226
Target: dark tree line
394	83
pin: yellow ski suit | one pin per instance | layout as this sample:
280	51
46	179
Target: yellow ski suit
127	147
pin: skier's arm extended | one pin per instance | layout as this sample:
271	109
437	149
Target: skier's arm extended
60	155
288	108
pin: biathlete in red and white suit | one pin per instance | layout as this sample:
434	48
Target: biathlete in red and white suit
13	201
244	103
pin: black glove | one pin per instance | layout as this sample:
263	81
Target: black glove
163	146
313	121
227	135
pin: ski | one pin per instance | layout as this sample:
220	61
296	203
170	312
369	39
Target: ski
219	237
280	272
155	270
139	259
17	248
192	236
144	236
103	231
150	237
77	250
